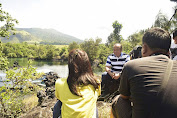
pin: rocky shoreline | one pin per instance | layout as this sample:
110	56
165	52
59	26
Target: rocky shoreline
47	100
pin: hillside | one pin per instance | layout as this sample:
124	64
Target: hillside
38	35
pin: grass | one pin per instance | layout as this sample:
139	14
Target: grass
30	102
104	109
60	46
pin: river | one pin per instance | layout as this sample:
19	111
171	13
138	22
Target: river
61	68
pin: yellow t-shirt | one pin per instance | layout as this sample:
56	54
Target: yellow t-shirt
74	106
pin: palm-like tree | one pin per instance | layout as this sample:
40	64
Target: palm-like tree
162	21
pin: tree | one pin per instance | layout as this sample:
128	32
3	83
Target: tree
8	23
162	21
115	36
117	28
91	47
127	46
15	88
136	38
73	45
11	95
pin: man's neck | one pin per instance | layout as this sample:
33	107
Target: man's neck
118	55
159	53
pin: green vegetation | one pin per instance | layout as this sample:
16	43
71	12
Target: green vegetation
11	95
38	52
8	23
15	88
163	21
17	84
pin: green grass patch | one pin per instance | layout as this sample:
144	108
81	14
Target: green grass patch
60	46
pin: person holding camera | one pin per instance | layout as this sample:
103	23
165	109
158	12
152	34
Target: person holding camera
148	85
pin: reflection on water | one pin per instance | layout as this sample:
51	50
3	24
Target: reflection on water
61	68
24	62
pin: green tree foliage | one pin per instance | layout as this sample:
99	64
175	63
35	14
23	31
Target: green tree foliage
50	52
115	36
164	22
3	62
136	38
63	50
117	28
39	52
7	21
91	47
73	45
14	90
7	25
127	46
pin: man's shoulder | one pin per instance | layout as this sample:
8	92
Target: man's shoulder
137	61
147	60
124	55
111	55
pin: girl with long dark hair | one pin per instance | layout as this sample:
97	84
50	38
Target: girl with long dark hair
79	92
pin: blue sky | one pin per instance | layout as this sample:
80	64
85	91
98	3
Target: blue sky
86	19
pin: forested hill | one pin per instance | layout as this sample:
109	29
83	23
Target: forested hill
42	36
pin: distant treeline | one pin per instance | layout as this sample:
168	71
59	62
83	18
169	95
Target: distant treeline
34	51
96	51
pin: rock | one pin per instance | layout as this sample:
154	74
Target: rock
43	111
46	99
49	81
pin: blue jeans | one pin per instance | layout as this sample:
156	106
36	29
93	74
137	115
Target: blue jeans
57	110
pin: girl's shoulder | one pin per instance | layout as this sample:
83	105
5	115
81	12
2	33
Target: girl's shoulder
61	81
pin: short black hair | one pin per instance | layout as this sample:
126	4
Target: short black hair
175	33
157	38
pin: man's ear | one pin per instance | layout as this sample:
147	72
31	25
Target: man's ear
169	53
144	49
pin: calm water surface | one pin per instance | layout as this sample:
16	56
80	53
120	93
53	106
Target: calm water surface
61	68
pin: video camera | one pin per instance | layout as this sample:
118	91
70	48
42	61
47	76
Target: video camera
136	52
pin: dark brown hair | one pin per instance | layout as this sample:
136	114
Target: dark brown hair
80	72
157	38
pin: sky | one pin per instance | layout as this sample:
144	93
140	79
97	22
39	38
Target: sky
87	19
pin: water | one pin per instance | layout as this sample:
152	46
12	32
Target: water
61	68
